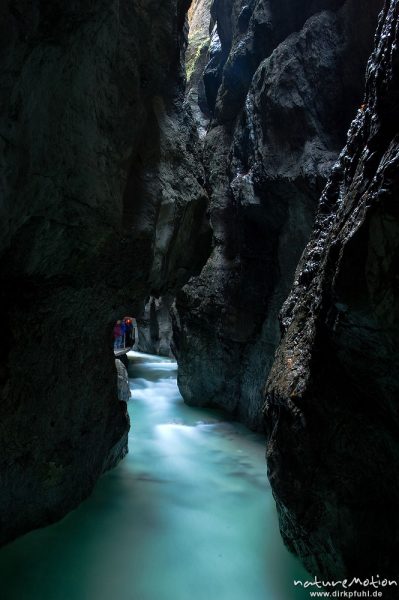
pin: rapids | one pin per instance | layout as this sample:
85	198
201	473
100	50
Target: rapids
188	515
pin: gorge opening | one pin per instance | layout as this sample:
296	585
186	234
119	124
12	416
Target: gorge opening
228	181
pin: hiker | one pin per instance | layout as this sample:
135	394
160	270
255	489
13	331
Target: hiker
129	332
123	329
118	335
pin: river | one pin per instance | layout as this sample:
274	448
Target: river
188	515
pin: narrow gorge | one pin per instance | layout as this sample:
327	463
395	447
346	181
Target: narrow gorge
225	171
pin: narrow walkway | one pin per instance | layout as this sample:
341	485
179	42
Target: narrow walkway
121	351
188	515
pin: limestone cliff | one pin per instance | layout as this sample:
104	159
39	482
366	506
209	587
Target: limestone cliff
122	381
332	398
153	318
100	191
155	327
283	80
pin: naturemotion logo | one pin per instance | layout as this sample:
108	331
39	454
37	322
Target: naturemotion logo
346	588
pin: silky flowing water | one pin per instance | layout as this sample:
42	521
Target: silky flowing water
188	515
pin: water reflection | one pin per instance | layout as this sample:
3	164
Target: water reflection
188	515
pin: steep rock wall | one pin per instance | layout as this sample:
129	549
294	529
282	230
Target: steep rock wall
122	381
99	193
197	57
282	83
332	398
154	320
155	327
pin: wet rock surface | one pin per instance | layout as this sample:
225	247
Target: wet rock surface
197	56
155	327
122	380
282	83
100	192
331	400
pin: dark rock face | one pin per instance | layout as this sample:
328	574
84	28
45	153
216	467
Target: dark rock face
100	191
122	381
154	320
331	412
283	81
155	327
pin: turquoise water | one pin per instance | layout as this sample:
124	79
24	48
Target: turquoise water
188	515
